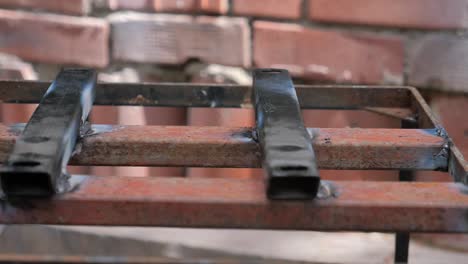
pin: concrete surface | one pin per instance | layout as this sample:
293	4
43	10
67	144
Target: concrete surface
295	245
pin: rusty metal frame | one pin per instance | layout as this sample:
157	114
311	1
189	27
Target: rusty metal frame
227	203
227	95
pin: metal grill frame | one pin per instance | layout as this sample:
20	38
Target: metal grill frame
402	207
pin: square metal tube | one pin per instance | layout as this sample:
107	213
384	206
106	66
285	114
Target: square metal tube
37	164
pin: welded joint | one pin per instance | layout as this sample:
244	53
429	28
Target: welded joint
327	190
456	165
412	119
212	96
441	132
441	159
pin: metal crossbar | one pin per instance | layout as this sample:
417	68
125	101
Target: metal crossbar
403	207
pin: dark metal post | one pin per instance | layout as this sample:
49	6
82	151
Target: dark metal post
402	239
288	156
37	165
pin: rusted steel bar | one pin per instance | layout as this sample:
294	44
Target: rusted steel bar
336	148
422	111
210	95
38	161
402	239
287	153
224	203
458	167
404	114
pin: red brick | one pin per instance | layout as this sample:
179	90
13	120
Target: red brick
73	7
268	8
17	113
12	68
329	55
436	14
174	39
439	62
54	38
185	6
190	6
213	6
179	6
126	5
451	111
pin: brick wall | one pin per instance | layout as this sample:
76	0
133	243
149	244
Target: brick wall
419	42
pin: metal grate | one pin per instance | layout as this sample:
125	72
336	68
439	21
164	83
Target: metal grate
401	207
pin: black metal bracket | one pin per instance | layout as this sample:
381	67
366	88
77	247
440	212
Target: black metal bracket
37	164
288	155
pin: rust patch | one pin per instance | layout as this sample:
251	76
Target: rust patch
140	100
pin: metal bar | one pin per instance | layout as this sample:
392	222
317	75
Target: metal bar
402	242
215	95
404	114
37	164
458	167
423	112
402	239
288	156
224	203
336	148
